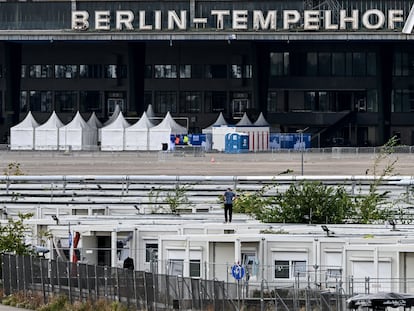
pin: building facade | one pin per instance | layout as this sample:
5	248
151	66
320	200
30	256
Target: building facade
341	69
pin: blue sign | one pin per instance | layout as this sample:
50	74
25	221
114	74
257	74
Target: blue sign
238	272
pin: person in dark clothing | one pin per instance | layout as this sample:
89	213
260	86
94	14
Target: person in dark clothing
229	197
129	263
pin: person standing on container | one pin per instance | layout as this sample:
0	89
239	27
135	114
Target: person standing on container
229	197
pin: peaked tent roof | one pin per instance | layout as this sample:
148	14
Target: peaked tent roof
142	123
245	121
28	122
150	112
220	120
52	122
119	122
94	121
169	123
261	121
77	122
114	115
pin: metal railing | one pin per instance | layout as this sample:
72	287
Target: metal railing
140	290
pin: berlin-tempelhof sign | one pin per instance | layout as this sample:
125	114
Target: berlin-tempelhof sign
242	20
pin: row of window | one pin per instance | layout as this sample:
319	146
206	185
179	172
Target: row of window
281	64
197	101
61	101
403	64
74	71
162	101
323	64
323	101
171	71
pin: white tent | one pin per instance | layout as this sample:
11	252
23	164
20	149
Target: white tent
244	121
22	134
77	135
258	132
94	121
161	134
219	122
261	121
96	125
115	114
113	135
47	134
137	135
150	112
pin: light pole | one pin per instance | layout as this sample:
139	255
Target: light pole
301	146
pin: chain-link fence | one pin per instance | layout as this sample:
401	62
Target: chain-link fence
141	290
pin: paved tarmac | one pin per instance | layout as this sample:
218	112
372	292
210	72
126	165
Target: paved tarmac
8	308
165	163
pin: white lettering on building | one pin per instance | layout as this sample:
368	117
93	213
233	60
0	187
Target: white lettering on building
241	20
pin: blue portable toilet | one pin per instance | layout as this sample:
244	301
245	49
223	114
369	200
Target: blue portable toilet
236	143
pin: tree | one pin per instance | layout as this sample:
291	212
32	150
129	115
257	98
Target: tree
315	202
374	206
12	236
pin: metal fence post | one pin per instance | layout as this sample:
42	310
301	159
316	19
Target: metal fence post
69	271
96	283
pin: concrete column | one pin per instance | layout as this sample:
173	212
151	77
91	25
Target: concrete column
114	253
237	251
186	269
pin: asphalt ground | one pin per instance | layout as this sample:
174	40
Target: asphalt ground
206	164
8	308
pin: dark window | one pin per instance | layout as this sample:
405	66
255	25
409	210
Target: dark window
23	71
175	267
165	101
197	71
324	64
279	64
338	64
90	101
151	252
282	269
311	64
358	64
241	71
310	101
403	100
216	71
24	101
40	101
148	72
165	71
65	71
272	102
147	98
65	101
41	71
190	102
371	64
90	71
215	101
195	268
185	71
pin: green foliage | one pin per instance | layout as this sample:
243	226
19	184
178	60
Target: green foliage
34	301
13	168
174	199
177	198
57	303
374	206
311	202
253	203
315	202
12	236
